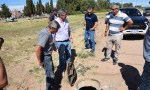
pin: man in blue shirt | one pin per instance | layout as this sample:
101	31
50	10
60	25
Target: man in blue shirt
145	78
91	22
53	15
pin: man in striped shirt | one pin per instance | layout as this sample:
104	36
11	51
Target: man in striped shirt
114	24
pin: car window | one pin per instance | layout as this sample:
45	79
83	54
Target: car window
131	12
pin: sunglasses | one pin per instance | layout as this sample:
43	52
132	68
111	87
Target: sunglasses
114	9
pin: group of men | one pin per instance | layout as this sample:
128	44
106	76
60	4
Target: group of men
57	37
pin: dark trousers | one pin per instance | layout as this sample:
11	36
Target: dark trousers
48	67
145	78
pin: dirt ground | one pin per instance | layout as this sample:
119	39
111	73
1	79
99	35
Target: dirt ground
111	77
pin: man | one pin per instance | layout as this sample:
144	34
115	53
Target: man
44	52
62	38
3	74
145	78
53	15
114	24
91	22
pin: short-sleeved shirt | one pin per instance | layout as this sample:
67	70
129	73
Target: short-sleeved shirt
90	20
45	40
52	17
64	30
146	49
117	21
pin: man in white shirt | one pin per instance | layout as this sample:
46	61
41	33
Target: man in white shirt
62	39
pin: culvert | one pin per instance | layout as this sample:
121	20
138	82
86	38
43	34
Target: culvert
87	84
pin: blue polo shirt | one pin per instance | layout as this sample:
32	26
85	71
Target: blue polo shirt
90	20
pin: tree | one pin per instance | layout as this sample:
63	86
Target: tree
29	9
40	7
47	8
128	5
51	4
5	11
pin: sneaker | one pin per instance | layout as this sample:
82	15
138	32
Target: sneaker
105	59
92	51
115	61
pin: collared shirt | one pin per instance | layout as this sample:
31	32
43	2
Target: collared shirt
117	21
146	49
45	40
64	30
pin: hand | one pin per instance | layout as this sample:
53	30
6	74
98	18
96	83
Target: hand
121	28
71	40
105	34
84	28
91	29
41	65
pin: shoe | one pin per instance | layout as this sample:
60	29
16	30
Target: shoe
105	59
87	48
92	51
115	61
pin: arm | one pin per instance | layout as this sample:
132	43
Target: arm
38	55
3	75
95	25
70	37
130	22
84	22
106	29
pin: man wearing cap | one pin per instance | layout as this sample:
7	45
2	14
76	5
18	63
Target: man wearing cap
53	15
44	52
91	22
62	38
114	24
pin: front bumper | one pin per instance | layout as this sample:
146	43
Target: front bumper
135	31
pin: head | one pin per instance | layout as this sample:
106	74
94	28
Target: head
115	9
53	27
62	14
90	10
55	11
1	42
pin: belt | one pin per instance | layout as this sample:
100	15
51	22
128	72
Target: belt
64	40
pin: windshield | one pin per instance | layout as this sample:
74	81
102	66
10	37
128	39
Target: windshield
131	12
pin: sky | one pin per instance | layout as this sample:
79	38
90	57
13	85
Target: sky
19	4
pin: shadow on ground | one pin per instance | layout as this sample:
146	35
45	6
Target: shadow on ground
131	76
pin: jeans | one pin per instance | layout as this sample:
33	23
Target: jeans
113	40
145	78
91	34
48	67
64	50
